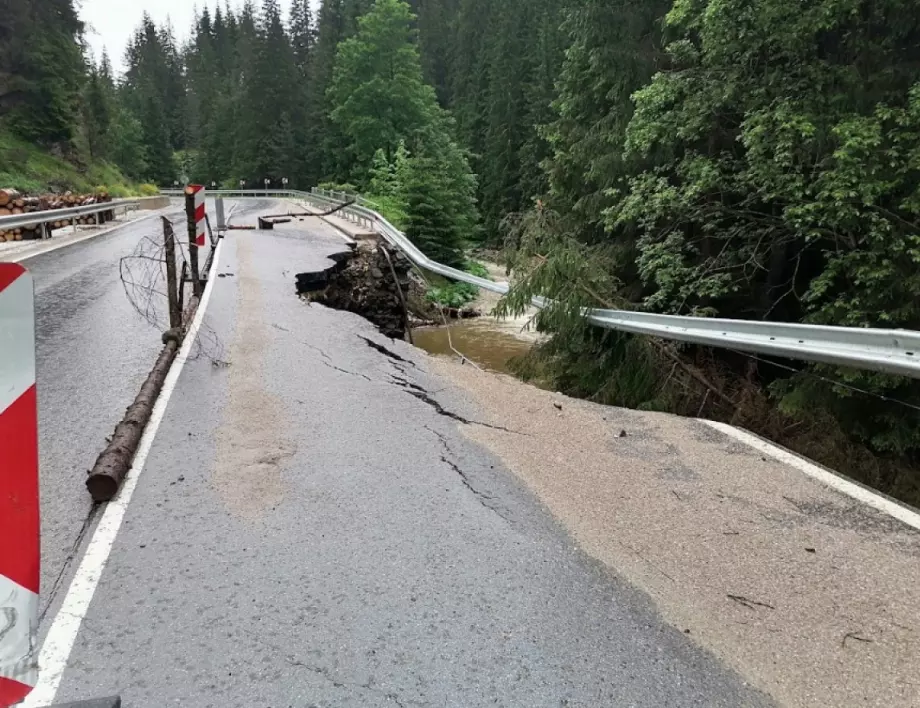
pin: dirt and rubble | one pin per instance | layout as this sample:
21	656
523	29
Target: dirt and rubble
375	281
807	593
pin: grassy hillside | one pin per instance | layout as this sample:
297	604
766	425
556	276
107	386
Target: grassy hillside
29	168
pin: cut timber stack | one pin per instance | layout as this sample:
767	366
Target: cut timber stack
12	202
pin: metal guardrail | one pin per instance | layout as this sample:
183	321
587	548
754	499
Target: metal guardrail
35	218
892	351
342	197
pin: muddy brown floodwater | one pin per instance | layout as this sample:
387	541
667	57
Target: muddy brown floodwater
483	340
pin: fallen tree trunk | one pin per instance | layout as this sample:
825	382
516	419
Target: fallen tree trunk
112	465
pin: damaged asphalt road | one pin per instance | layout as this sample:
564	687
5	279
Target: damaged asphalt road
337	542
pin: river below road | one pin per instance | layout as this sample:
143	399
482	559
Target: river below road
484	341
489	342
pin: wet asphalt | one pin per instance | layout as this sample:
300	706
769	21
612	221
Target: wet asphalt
311	530
93	352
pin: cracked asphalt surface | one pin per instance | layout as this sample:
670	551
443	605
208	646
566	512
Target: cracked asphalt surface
313	529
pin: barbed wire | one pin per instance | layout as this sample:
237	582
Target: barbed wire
143	277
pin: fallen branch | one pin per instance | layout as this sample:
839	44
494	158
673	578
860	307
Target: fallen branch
309	213
402	297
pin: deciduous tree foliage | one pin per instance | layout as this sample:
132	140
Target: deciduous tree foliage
782	176
758	161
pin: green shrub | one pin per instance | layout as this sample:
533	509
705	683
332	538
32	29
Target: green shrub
477	269
391	208
455	295
336	187
148	190
117	191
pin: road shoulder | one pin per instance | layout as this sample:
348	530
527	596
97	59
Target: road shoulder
805	591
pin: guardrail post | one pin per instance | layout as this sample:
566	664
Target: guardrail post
172	288
221	217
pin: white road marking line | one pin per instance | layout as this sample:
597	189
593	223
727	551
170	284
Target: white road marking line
61	637
829	479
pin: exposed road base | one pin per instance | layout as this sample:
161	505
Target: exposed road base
369	282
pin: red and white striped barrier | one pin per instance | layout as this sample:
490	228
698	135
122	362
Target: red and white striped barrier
201	227
19	511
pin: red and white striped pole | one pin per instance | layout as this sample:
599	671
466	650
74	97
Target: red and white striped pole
201	226
19	509
196	214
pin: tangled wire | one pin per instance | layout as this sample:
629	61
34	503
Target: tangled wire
144	278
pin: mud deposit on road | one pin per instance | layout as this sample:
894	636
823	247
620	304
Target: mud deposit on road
810	596
252	441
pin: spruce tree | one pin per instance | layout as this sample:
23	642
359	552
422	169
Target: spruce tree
505	59
127	146
321	132
613	51
98	109
303	42
378	97
436	23
42	70
268	83
469	80
303	35
429	224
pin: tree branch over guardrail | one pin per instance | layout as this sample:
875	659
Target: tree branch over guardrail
892	351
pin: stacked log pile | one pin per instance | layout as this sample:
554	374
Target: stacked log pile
12	202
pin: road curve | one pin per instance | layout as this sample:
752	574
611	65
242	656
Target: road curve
311	528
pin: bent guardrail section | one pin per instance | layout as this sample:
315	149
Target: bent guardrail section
892	351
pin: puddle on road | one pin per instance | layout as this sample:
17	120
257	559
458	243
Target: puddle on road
485	341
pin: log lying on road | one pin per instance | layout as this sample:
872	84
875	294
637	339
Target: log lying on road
112	465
